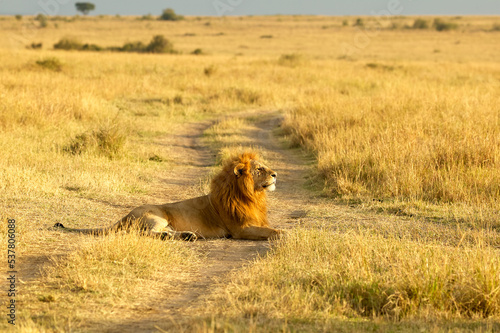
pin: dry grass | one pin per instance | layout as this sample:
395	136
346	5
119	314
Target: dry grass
410	118
317	278
116	271
421	134
357	274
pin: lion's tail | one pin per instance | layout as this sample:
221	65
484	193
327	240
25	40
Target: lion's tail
93	231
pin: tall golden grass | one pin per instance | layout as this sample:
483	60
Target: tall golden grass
407	124
338	275
422	133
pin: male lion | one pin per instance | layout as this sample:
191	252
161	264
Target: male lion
236	207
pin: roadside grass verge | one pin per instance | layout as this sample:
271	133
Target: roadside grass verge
124	271
324	278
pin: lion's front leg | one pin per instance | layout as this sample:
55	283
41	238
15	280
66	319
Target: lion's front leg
256	233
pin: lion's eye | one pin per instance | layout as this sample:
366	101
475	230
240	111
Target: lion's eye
260	169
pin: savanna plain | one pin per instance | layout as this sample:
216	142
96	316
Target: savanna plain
385	133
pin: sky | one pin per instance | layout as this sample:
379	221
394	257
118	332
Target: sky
257	7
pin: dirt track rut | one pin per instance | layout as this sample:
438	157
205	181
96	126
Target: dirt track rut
221	257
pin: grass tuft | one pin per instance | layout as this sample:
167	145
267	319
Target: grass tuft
51	63
107	141
291	60
210	70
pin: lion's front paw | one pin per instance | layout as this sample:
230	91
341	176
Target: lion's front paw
279	234
188	236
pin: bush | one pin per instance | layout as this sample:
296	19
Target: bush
42	19
19	17
159	44
132	47
147	17
210	70
496	27
420	24
170	15
359	23
441	25
68	44
290	60
105	141
35	46
52	64
198	52
91	47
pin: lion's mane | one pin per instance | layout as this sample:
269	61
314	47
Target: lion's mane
232	192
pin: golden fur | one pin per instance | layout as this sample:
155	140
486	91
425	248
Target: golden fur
236	207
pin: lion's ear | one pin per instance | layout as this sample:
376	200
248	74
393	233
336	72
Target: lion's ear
238	170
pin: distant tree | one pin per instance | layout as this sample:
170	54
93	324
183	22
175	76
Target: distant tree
359	23
170	15
42	19
84	7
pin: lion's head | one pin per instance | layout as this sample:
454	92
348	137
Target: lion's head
240	189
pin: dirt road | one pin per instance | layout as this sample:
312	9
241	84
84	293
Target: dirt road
169	310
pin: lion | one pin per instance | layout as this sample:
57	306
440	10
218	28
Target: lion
235	208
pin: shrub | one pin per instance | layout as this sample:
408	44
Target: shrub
147	17
91	47
210	70
198	52
52	64
42	19
156	158
178	99
19	17
496	27
420	24
68	44
170	15
131	47
159	44
441	25
107	141
35	46
359	23
266	36
290	60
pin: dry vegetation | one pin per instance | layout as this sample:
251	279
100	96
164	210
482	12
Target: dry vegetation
407	122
